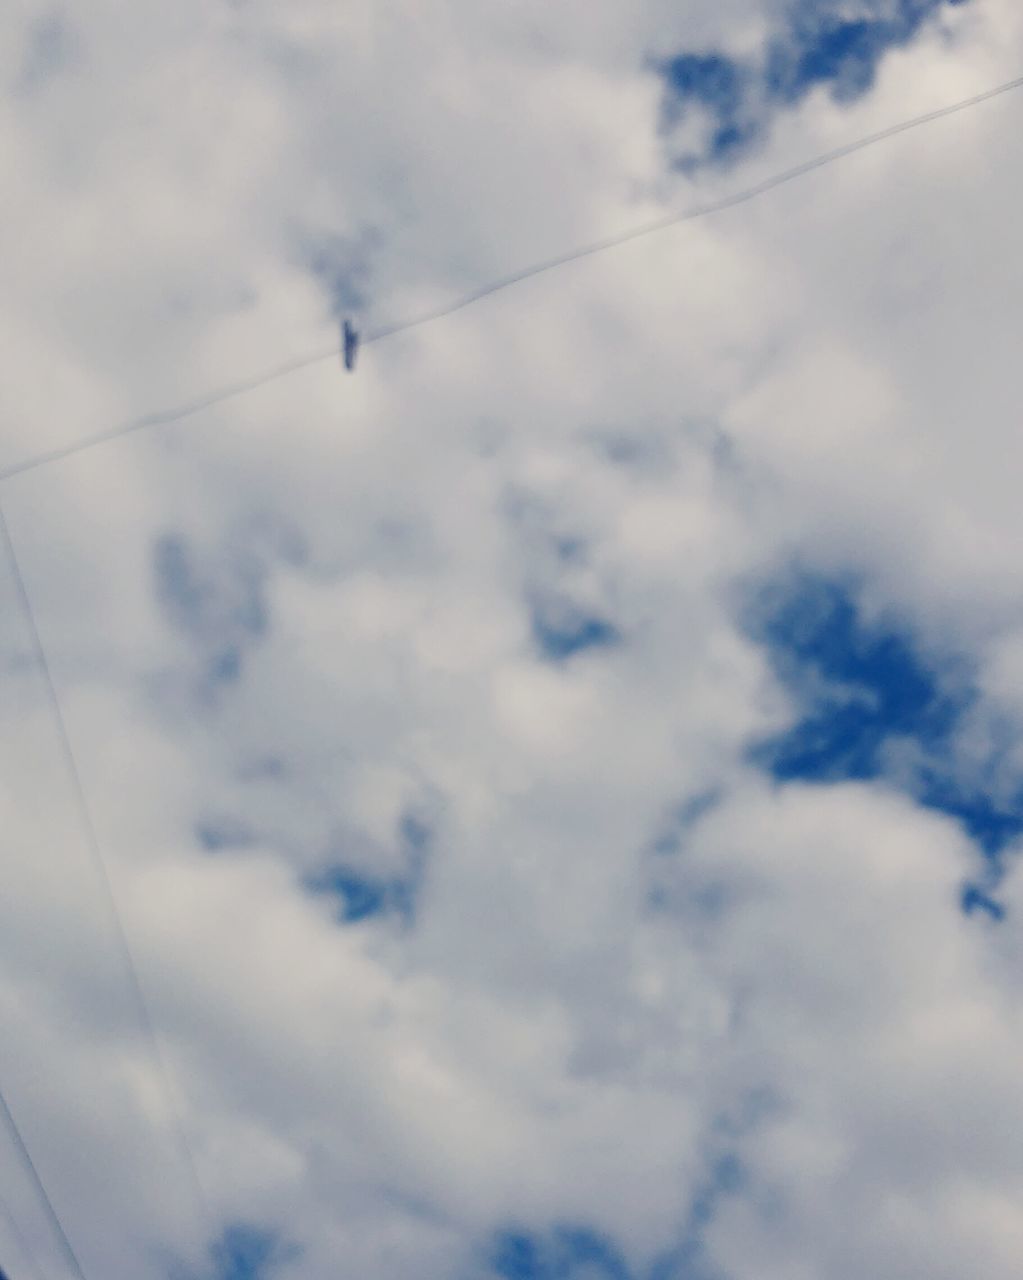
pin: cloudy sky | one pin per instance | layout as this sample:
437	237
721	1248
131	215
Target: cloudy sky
561	785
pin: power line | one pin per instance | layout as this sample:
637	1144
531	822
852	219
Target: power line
505	282
33	1173
164	417
700	211
103	873
22	1241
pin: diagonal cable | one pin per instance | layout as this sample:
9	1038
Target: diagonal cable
29	1165
689	215
103	873
22	1241
166	416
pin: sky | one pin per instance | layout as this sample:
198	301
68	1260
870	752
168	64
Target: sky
561	785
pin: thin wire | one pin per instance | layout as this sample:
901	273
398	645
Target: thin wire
505	282
22	1242
700	211
165	416
47	1203
103	872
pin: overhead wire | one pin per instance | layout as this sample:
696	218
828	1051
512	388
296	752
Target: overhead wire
689	215
44	1199
19	1236
99	862
164	416
229	392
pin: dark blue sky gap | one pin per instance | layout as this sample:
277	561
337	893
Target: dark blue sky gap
822	42
558	643
991	825
723	87
861	686
974	899
360	894
245	1252
562	1254
578	1252
560	631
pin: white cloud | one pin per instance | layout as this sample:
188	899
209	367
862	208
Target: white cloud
572	1026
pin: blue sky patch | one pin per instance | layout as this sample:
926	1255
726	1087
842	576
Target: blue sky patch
721	86
243	1251
859	683
360	894
862	686
577	1252
565	1253
822	42
250	1253
560	630
991	825
974	898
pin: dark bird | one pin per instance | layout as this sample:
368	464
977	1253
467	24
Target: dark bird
351	347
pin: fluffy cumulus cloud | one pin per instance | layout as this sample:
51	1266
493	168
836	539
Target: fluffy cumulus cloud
560	785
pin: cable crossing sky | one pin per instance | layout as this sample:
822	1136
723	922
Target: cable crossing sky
166	416
22	1241
129	967
29	1166
243	387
